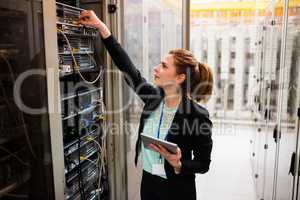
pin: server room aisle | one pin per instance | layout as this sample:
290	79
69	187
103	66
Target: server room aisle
229	177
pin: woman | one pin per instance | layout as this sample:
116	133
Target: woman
171	113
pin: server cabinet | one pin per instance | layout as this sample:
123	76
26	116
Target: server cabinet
296	164
287	155
81	84
269	111
284	135
25	147
53	136
287	132
277	105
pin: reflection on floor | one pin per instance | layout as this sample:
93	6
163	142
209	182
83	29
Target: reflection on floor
229	177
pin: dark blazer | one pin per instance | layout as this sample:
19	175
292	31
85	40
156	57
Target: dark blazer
191	126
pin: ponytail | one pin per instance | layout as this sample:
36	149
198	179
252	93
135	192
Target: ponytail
199	78
202	83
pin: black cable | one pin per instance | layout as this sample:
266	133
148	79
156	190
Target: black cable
13	78
77	128
77	132
77	117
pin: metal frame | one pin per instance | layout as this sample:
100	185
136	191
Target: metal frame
296	187
296	180
113	92
280	96
109	102
54	108
186	23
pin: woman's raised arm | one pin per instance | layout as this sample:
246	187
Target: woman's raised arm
132	75
89	18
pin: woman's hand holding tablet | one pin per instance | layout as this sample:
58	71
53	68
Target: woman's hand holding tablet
147	140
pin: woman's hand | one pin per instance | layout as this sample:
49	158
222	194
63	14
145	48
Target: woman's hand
173	159
89	18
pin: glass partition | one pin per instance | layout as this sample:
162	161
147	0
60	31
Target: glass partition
133	42
289	88
151	29
256	95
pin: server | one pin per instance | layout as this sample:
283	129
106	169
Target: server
25	165
50	148
81	83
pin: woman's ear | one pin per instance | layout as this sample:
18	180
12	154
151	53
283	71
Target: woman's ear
180	78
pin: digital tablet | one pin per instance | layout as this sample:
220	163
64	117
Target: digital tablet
147	140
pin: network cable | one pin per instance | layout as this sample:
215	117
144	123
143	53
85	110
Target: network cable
23	196
77	68
101	156
99	146
22	115
81	187
102	160
98	189
15	156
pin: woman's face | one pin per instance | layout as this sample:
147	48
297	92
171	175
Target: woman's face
165	73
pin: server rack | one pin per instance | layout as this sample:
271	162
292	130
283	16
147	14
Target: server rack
276	174
53	139
82	105
25	164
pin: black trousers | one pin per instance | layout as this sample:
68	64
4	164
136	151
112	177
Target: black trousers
157	188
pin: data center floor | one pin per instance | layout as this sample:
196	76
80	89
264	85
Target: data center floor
230	175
